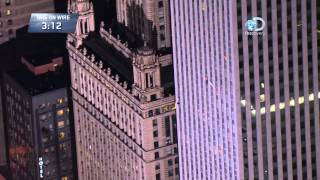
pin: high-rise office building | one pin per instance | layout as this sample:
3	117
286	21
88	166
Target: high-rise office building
16	14
204	62
279	90
37	118
150	19
267	82
123	100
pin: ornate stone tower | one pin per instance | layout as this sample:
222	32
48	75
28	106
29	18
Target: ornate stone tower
86	18
146	69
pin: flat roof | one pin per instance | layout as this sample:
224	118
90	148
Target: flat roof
44	57
115	60
38	84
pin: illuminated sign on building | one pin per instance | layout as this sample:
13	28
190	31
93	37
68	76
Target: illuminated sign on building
41	167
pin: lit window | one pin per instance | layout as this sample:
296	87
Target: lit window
64	178
311	97
43	117
282	105
60	101
61	124
301	100
61	135
63	147
292	102
60	112
8	12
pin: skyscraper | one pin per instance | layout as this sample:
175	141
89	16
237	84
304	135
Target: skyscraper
123	103
16	14
279	90
148	19
204	61
37	118
267	82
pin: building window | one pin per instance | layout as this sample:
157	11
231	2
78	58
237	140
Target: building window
155	133
153	97
162	37
156	155
177	170
60	101
156	144
61	135
64	178
8	2
176	160
60	124
170	172
150	113
10	22
160	4
157	166
43	117
170	162
8	12
60	112
158	111
10	31
154	123
158	177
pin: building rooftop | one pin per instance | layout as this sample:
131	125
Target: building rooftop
119	30
38	84
27	44
44	57
110	57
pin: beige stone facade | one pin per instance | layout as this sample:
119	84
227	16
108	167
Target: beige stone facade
125	123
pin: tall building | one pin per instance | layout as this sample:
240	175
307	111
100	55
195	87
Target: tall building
150	19
123	101
263	85
16	14
37	119
204	62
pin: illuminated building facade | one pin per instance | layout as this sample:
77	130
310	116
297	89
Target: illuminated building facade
123	101
268	84
204	62
37	118
16	14
279	90
150	19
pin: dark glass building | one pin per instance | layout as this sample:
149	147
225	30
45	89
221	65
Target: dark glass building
35	99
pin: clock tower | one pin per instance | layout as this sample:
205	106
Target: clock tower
85	22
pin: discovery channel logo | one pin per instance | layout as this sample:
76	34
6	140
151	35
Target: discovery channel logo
255	26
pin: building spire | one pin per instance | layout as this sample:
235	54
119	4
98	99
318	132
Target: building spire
86	22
